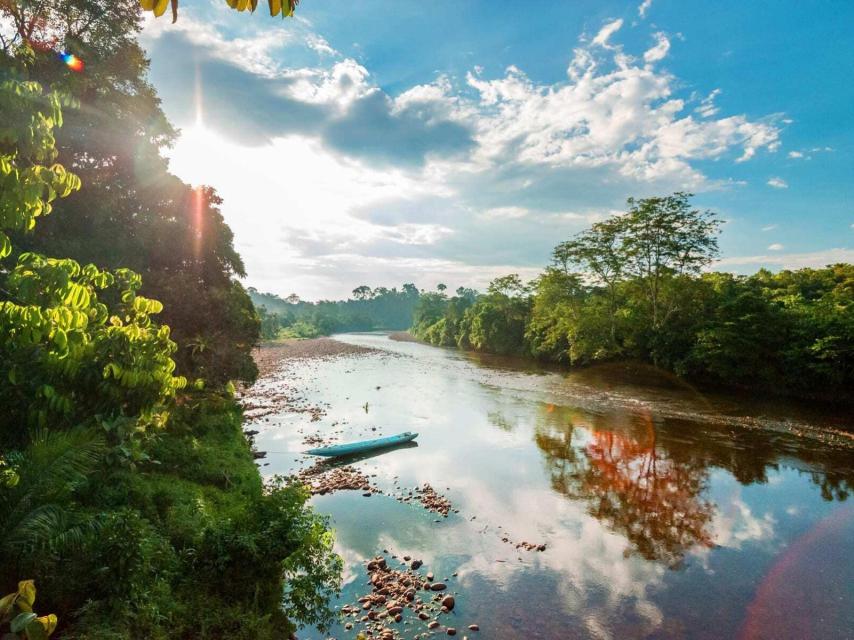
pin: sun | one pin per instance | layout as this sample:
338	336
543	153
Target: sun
198	154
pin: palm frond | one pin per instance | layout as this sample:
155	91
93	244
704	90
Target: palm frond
37	513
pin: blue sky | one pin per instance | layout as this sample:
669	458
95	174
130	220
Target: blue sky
454	142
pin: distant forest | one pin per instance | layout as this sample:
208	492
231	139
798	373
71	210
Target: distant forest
368	310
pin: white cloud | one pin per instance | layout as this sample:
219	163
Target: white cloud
659	51
319	44
814	259
626	117
806	153
769	227
505	213
707	106
606	32
778	183
735	524
644	7
538	160
775	247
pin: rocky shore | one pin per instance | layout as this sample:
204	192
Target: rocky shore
400	596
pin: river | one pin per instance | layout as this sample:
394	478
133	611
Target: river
665	512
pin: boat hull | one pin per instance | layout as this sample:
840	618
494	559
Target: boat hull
351	448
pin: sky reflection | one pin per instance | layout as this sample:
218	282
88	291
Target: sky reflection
655	526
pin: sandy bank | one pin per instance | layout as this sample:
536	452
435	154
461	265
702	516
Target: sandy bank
270	355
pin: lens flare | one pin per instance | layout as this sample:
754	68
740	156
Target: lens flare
72	62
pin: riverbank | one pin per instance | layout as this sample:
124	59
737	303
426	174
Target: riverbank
270	355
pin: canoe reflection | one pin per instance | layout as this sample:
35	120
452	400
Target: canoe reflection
340	461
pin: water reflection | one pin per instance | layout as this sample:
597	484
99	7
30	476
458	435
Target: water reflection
619	483
632	486
650	482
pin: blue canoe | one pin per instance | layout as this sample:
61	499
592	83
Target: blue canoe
365	445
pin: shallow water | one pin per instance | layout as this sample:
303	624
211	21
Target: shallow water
666	513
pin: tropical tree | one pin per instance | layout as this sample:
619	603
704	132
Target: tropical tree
30	181
662	238
133	212
599	253
496	321
362	292
68	355
557	304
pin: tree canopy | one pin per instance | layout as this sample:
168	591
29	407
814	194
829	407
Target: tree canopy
636	286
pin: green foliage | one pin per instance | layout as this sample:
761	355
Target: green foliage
78	344
68	358
494	322
299	330
133	213
554	330
29	180
193	546
37	513
792	331
134	528
632	287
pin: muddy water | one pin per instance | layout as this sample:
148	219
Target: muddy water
666	513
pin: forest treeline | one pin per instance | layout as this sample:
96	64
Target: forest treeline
368	310
130	504
636	287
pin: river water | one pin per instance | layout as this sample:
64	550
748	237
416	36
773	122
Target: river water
665	512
